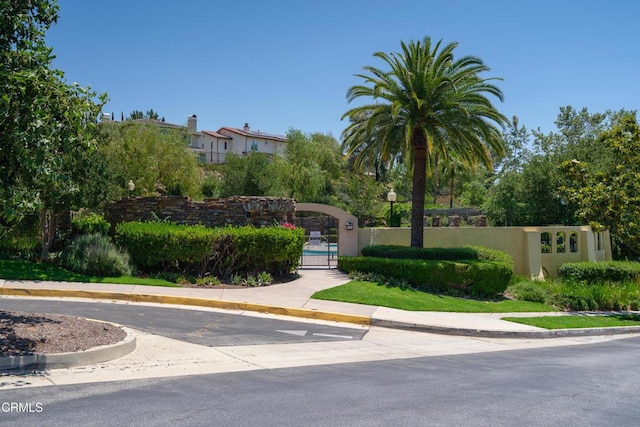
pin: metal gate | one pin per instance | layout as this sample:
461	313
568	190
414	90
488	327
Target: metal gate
321	237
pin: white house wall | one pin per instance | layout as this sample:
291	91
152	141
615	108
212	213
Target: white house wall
242	145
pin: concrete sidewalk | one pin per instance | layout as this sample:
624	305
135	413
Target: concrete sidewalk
294	299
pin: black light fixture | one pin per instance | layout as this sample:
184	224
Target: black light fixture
349	225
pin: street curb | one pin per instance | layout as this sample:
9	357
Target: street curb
91	356
199	302
317	315
483	333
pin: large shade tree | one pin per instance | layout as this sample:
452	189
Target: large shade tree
47	125
427	102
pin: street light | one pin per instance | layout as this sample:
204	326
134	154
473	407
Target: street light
132	187
391	197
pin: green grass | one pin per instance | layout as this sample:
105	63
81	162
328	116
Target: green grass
372	293
578	321
23	270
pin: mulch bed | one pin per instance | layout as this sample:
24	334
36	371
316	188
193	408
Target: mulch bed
28	333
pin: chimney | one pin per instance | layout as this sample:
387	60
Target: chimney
192	123
246	127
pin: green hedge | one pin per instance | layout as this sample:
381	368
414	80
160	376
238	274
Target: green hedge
161	246
469	277
470	270
614	271
448	254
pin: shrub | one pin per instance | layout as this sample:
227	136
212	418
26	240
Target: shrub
530	290
449	254
264	278
216	251
158	246
591	272
89	223
207	281
406	252
572	302
236	279
471	269
22	241
96	255
474	277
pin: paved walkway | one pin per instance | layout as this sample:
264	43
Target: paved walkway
294	299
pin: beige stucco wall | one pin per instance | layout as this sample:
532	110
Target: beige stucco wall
522	243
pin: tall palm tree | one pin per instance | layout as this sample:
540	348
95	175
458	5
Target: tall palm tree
428	102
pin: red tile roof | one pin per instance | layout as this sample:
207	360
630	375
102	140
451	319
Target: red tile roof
215	134
255	134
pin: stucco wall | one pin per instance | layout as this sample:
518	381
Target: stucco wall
522	243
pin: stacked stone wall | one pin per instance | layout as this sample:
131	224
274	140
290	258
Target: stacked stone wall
237	211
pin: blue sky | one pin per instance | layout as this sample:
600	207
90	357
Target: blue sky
288	64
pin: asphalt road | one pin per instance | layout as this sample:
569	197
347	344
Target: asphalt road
208	328
586	385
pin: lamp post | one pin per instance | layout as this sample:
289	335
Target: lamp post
131	187
391	197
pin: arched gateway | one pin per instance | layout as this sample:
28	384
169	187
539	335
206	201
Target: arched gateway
347	228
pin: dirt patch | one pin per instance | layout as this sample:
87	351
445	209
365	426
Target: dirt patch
28	333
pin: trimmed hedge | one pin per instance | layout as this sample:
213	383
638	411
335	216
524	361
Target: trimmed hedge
470	270
161	246
590	272
449	254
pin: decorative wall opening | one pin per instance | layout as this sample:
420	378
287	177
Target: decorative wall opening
573	242
545	242
561	242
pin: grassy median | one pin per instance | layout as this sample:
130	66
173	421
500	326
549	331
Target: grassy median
372	293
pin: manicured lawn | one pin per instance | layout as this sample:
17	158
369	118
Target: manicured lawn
578	321
371	293
22	270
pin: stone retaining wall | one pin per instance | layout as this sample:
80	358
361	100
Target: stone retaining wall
238	210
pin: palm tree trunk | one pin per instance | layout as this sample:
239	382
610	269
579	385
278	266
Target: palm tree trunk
435	178
419	145
451	188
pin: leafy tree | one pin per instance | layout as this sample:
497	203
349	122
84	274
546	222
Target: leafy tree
426	102
361	194
247	176
155	158
506	205
611	199
152	115
135	115
455	168
46	125
309	167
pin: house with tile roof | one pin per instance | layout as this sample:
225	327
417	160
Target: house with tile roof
214	146
244	141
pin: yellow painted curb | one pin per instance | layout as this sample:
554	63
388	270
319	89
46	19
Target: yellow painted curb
199	302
